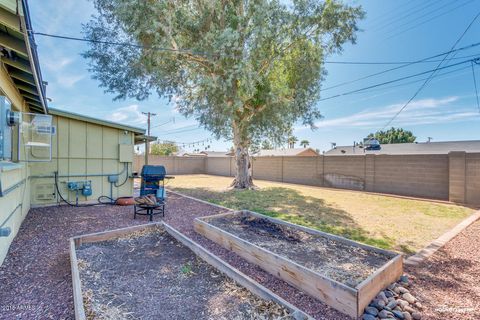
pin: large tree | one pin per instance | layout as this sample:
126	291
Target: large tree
247	70
393	135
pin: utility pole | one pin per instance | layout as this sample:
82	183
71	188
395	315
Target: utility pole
147	143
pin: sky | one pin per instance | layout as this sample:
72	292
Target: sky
392	31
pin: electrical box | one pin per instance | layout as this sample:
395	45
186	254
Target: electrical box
37	133
5	130
45	191
125	152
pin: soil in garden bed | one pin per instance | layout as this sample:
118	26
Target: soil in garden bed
150	275
339	261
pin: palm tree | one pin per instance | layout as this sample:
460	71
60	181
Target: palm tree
291	141
304	143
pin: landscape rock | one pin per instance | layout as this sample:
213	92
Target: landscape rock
392	304
403	290
409	298
402	303
390	294
381	304
382	296
367	316
392	286
384	314
409	309
371	310
398	314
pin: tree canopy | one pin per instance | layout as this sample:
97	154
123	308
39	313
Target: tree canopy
304	143
245	70
393	135
163	148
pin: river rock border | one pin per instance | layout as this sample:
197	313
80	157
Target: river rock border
395	302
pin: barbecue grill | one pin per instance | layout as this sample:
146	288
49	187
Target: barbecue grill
152	182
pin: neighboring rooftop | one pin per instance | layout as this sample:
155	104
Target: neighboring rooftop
303	152
442	147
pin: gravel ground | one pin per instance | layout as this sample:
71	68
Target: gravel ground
35	279
448	283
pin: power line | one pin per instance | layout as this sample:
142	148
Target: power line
182	131
475	83
114	43
428	20
163	123
403	66
393	81
417	81
395	10
425	15
432	74
408	13
389	62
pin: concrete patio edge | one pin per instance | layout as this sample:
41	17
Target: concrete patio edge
438	243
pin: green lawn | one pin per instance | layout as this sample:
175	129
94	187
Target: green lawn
388	222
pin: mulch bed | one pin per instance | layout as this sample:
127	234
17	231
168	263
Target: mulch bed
35	279
336	260
448	283
148	274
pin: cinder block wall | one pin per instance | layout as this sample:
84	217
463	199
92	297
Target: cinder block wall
454	177
425	176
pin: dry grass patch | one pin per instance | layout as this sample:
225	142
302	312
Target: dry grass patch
388	222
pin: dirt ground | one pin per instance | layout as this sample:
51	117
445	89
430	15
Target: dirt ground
150	275
344	263
35	279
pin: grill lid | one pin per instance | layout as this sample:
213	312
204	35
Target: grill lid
154	171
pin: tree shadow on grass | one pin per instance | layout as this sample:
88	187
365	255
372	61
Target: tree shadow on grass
290	205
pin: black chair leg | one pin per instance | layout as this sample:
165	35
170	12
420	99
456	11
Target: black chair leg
134	212
151	214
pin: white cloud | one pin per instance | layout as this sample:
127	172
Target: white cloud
128	115
69	81
418	112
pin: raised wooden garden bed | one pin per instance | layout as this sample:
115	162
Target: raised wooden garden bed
344	274
154	272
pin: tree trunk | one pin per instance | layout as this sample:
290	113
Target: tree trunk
243	168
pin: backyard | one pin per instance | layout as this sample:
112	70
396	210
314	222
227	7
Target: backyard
401	224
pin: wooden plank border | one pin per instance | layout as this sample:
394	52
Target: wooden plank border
350	301
225	268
